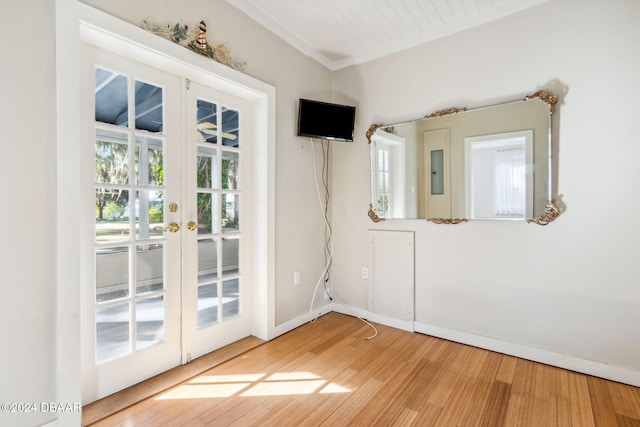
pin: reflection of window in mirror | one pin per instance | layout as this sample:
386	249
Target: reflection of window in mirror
509	183
383	172
388	175
499	176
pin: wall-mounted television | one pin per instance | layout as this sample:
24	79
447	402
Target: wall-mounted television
324	120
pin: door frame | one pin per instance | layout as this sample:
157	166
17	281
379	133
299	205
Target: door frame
77	23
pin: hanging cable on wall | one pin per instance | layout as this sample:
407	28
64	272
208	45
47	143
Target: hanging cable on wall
324	277
328	259
328	232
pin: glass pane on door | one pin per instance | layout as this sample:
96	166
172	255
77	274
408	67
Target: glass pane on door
207	167
230	170
148	107
230	127
112	273
207	305
230	298
230	213
149	216
207	121
207	220
230	256
149	268
112	157
149	161
112	215
149	322
111	97
207	260
112	331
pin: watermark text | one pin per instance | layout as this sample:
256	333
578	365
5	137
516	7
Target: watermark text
44	407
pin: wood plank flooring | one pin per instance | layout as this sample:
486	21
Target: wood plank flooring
103	408
328	374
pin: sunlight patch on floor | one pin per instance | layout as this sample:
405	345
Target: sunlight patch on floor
334	388
251	385
203	391
283	388
216	379
292	376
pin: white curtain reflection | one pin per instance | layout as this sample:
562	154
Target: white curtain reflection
510	182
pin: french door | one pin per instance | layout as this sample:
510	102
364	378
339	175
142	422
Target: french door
216	272
169	243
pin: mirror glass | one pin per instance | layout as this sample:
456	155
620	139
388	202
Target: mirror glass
489	163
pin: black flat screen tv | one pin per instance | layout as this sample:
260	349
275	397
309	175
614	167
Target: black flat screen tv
324	120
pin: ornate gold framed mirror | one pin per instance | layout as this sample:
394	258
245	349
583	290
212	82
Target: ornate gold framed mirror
459	164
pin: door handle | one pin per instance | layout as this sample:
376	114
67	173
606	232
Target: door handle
193	226
173	227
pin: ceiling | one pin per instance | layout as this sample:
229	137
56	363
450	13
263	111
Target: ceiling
340	33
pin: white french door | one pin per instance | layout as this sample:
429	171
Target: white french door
216	271
169	244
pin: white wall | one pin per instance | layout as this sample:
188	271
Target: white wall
39	288
570	288
27	213
299	233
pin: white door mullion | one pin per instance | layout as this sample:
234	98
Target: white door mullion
130	126
188	214
217	208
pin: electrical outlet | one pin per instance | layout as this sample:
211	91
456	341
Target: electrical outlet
365	273
296	278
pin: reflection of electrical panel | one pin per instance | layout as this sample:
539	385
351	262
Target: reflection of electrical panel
437	179
437	172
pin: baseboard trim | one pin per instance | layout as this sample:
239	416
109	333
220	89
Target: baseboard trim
290	325
373	317
584	366
589	367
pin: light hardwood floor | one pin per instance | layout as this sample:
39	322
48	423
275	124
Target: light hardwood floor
327	373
